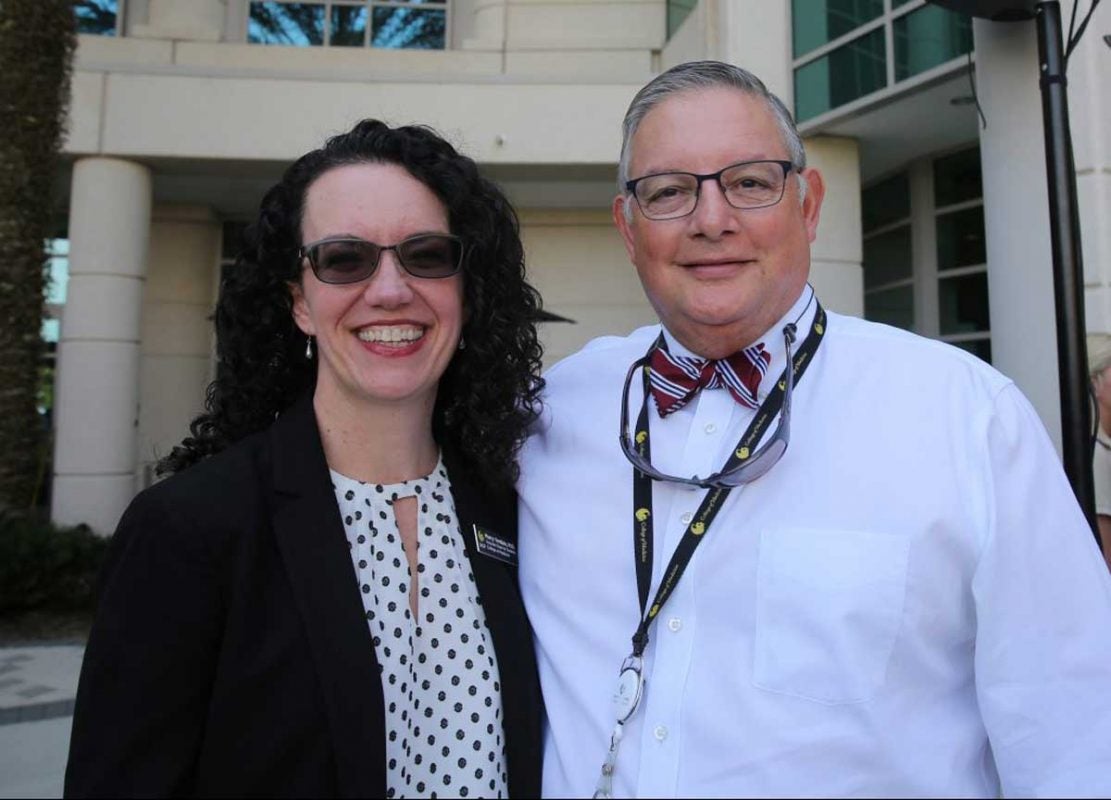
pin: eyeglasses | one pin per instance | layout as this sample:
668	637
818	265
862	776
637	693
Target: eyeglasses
350	260
750	468
749	184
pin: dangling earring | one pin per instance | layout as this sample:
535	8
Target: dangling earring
308	348
462	342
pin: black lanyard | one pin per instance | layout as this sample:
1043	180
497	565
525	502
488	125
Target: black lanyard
715	497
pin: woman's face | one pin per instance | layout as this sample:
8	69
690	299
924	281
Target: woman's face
387	339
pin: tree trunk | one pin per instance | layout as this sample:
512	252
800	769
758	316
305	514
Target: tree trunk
37	39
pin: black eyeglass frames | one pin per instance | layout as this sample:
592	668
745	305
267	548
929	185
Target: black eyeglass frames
746	185
344	259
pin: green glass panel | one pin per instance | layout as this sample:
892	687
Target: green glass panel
928	37
960	239
677	13
963	304
408	28
978	347
891	306
96	16
299	24
887	257
348	26
885	202
957	178
816	22
851	71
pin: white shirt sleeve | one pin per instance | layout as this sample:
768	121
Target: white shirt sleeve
1042	596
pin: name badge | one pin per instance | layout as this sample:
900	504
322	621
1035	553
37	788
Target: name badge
493	546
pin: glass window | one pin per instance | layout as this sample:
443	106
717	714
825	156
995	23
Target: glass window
677	13
960	239
885	202
978	347
891	307
57	271
408	27
957	178
887	257
963	304
300	24
928	37
96	16
816	22
414	24
851	71
348	26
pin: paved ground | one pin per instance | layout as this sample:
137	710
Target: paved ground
37	687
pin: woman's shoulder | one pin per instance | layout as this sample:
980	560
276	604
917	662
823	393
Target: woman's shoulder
222	488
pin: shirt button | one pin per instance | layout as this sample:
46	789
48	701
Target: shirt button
660	732
685	518
710	427
674	624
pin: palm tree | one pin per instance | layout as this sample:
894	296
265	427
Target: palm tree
36	53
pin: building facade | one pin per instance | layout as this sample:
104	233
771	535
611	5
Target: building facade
185	111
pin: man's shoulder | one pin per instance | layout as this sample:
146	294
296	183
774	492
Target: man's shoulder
886	349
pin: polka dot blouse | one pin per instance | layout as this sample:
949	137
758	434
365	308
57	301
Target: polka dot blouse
439	674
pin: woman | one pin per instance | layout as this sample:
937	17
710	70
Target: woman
325	601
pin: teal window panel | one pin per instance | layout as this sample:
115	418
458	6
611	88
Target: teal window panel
963	304
927	37
841	76
817	22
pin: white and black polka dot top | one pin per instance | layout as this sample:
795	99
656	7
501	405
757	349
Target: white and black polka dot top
439	674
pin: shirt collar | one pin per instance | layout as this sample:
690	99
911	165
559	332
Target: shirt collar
801	313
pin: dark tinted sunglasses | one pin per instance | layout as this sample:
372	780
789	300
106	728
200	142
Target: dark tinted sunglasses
350	260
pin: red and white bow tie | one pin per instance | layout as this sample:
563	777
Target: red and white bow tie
676	379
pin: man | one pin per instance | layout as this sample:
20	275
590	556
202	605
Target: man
905	602
1101	456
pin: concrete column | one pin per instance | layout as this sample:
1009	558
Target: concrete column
1090	120
1016	215
756	35
96	393
177	335
836	256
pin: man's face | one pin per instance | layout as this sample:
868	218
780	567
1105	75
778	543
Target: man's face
720	277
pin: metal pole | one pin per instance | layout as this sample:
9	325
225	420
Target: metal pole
1068	268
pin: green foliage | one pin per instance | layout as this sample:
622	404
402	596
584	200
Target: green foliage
36	52
46	568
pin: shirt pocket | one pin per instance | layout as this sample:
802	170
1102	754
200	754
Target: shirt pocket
828	608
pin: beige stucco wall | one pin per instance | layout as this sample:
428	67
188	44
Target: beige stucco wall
578	263
175	363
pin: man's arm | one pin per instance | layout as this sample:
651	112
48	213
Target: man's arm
1104	523
1042	595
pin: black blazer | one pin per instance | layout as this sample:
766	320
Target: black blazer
230	654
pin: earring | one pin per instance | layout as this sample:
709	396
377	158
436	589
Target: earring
308	348
462	343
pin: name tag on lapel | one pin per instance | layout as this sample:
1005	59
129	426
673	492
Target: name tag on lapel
493	546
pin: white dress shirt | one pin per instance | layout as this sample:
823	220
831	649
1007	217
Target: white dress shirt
909	603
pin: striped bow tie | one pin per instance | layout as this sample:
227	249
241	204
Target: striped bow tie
676	379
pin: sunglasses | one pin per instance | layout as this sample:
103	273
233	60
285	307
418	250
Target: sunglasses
746	470
350	260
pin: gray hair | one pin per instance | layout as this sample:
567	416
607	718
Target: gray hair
1099	361
706	75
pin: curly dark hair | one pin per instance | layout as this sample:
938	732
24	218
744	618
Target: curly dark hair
489	394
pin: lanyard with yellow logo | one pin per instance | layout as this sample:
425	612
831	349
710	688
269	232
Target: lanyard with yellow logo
631	683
